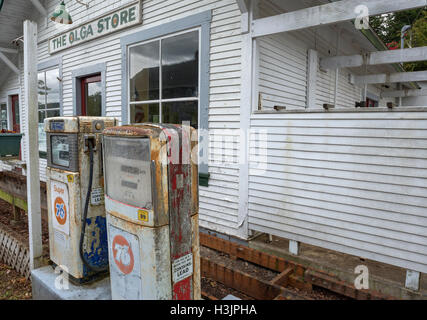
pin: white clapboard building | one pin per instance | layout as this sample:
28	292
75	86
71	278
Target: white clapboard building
298	105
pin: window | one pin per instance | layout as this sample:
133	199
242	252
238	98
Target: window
164	80
48	101
91	96
3	116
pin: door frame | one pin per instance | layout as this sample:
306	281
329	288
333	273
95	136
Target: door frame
9	95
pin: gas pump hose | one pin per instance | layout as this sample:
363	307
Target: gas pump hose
83	230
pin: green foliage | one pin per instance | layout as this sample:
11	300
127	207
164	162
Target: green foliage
388	27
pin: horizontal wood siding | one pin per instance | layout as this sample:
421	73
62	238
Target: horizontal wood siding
354	182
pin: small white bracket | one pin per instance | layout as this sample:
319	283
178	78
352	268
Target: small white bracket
412	280
245	15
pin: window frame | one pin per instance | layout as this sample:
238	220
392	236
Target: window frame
160	101
51	64
203	21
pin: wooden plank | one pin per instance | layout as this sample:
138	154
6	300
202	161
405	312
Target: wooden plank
282	279
251	255
9	63
8	50
404	93
331	283
330	13
375	58
242	282
390	78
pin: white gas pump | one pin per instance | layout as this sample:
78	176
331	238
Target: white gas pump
75	195
151	201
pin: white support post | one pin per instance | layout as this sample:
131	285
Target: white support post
294	247
338	11
374	58
312	67
32	144
245	115
245	15
9	63
412	281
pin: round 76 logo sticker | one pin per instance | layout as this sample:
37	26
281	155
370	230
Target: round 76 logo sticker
60	210
60	207
123	255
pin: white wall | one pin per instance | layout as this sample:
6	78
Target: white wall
354	182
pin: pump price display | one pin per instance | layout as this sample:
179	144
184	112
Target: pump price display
182	268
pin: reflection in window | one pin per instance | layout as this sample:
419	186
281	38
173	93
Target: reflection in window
48	101
179	112
144	72
145	113
180	66
93	99
164	80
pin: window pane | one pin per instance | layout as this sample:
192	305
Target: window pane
42	138
52	88
53	113
41	90
178	112
144	113
180	66
93	99
42	133
3	112
144	72
42	116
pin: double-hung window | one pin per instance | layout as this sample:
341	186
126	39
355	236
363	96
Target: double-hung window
48	101
164	79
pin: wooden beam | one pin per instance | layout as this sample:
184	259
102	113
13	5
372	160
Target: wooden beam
242	6
312	68
9	63
330	13
404	93
8	50
390	78
39	7
374	58
32	144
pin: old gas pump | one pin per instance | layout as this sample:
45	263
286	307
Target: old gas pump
75	190
152	212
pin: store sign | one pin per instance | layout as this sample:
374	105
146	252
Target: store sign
125	17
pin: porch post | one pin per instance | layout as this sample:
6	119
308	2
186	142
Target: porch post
32	144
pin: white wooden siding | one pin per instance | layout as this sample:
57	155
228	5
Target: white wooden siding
354	182
219	202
